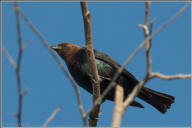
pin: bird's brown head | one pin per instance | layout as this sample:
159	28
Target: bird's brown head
66	50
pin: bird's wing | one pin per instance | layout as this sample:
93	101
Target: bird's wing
107	59
105	78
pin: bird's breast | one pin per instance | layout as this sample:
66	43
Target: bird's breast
81	75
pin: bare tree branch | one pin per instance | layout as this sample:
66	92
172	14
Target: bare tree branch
147	5
89	45
149	74
146	31
17	67
26	91
35	30
136	90
11	60
138	87
170	20
118	107
20	94
144	42
52	116
26	45
170	77
118	72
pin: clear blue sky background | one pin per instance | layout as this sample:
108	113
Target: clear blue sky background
115	32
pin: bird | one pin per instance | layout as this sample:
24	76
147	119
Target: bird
77	61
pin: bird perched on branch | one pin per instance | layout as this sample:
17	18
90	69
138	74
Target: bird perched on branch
76	58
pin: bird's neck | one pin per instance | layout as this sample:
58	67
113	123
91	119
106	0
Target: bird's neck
71	57
79	57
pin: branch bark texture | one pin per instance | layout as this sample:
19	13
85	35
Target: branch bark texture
95	77
52	116
17	69
118	107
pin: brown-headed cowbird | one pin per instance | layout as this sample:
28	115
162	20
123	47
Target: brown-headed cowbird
76	58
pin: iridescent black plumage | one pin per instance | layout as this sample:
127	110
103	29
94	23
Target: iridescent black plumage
76	59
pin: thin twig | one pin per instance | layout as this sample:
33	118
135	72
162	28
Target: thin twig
148	43
147	6
145	41
169	20
150	29
20	94
11	60
118	107
26	91
118	72
26	45
149	75
138	87
36	31
89	45
170	77
52	116
17	67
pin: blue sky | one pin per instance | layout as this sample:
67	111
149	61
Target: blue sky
115	32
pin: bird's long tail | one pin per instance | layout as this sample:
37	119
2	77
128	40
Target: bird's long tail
160	101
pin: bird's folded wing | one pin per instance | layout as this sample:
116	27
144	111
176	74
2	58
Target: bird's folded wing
107	59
